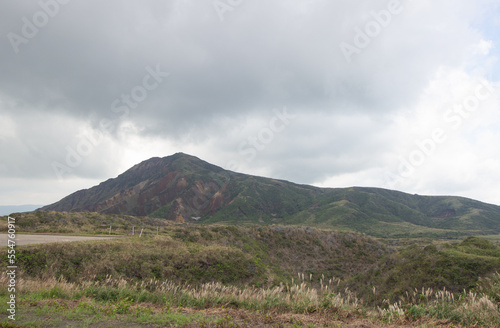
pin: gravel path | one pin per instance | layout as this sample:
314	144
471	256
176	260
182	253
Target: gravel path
22	239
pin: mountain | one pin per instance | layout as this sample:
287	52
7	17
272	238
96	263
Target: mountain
184	188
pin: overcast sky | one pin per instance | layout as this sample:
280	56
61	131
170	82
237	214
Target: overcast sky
385	93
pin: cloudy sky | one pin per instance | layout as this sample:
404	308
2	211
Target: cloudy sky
394	94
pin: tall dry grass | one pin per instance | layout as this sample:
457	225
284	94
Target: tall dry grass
299	297
473	307
467	308
478	307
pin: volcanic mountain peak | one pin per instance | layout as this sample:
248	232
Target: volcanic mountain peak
147	187
158	164
183	188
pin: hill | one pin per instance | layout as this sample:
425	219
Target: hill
264	255
184	188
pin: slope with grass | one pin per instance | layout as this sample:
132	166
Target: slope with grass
455	267
268	276
258	255
82	223
199	254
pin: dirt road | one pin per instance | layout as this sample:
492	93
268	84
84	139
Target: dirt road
22	239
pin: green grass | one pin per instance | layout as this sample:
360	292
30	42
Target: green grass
82	223
453	266
86	312
198	254
53	303
190	275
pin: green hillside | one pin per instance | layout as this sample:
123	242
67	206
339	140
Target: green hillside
454	267
377	212
184	188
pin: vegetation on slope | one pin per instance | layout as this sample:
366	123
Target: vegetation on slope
451	266
82	223
265	274
199	254
62	280
155	303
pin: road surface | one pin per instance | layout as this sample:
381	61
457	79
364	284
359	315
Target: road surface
23	239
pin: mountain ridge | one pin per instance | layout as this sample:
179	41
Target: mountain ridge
184	188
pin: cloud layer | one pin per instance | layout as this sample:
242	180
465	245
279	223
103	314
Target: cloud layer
87	89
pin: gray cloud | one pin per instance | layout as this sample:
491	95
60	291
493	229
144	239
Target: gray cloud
224	74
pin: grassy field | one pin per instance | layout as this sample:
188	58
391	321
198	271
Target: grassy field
252	276
154	303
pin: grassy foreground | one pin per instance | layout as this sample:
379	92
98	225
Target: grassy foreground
154	303
258	276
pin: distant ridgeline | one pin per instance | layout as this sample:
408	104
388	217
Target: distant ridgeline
183	188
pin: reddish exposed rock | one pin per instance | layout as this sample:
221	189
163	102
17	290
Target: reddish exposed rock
184	182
